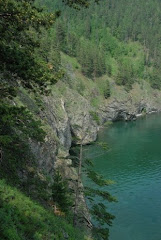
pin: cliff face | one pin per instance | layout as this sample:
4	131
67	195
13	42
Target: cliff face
122	105
68	115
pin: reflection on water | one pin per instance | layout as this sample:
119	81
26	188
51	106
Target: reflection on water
134	162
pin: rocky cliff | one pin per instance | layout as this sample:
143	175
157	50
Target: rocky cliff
122	105
68	114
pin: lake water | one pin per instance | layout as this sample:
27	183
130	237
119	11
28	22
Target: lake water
134	163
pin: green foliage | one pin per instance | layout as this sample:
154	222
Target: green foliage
16	127
106	91
97	178
90	192
19	22
98	210
103	145
21	64
107	124
95	102
22	120
92	62
125	75
61	194
21	218
81	87
60	35
112	36
101	219
95	117
78	3
155	79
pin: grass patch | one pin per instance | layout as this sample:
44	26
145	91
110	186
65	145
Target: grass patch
21	218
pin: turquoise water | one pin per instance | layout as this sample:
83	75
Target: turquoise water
134	163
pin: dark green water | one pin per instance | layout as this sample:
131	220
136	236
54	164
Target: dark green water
134	162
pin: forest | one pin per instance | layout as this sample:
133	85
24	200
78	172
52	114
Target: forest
118	39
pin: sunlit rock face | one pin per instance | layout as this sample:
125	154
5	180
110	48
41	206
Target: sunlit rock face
70	118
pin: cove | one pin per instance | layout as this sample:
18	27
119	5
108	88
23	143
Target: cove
133	161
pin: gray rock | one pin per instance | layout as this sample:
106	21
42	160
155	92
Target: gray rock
67	118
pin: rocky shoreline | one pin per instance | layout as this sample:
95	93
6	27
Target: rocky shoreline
67	116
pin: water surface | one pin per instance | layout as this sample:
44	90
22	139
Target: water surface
134	162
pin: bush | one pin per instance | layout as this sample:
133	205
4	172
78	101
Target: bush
21	218
107	91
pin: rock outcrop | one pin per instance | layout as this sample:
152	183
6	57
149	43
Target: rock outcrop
130	105
68	117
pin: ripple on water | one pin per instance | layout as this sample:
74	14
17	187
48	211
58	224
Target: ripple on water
134	162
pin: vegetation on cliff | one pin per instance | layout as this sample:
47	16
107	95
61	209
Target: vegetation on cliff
22	218
22	64
33	52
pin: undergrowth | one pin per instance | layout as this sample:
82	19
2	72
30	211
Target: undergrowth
21	218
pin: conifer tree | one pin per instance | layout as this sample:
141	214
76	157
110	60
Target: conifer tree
60	36
61	194
20	23
98	210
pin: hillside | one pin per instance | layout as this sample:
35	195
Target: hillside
120	38
22	218
66	73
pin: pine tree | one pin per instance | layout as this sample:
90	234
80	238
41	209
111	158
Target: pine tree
20	24
61	193
97	210
20	20
60	36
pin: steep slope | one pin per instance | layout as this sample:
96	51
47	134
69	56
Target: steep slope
22	218
77	106
102	76
120	38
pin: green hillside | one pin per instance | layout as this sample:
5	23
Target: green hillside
22	218
121	38
58	61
